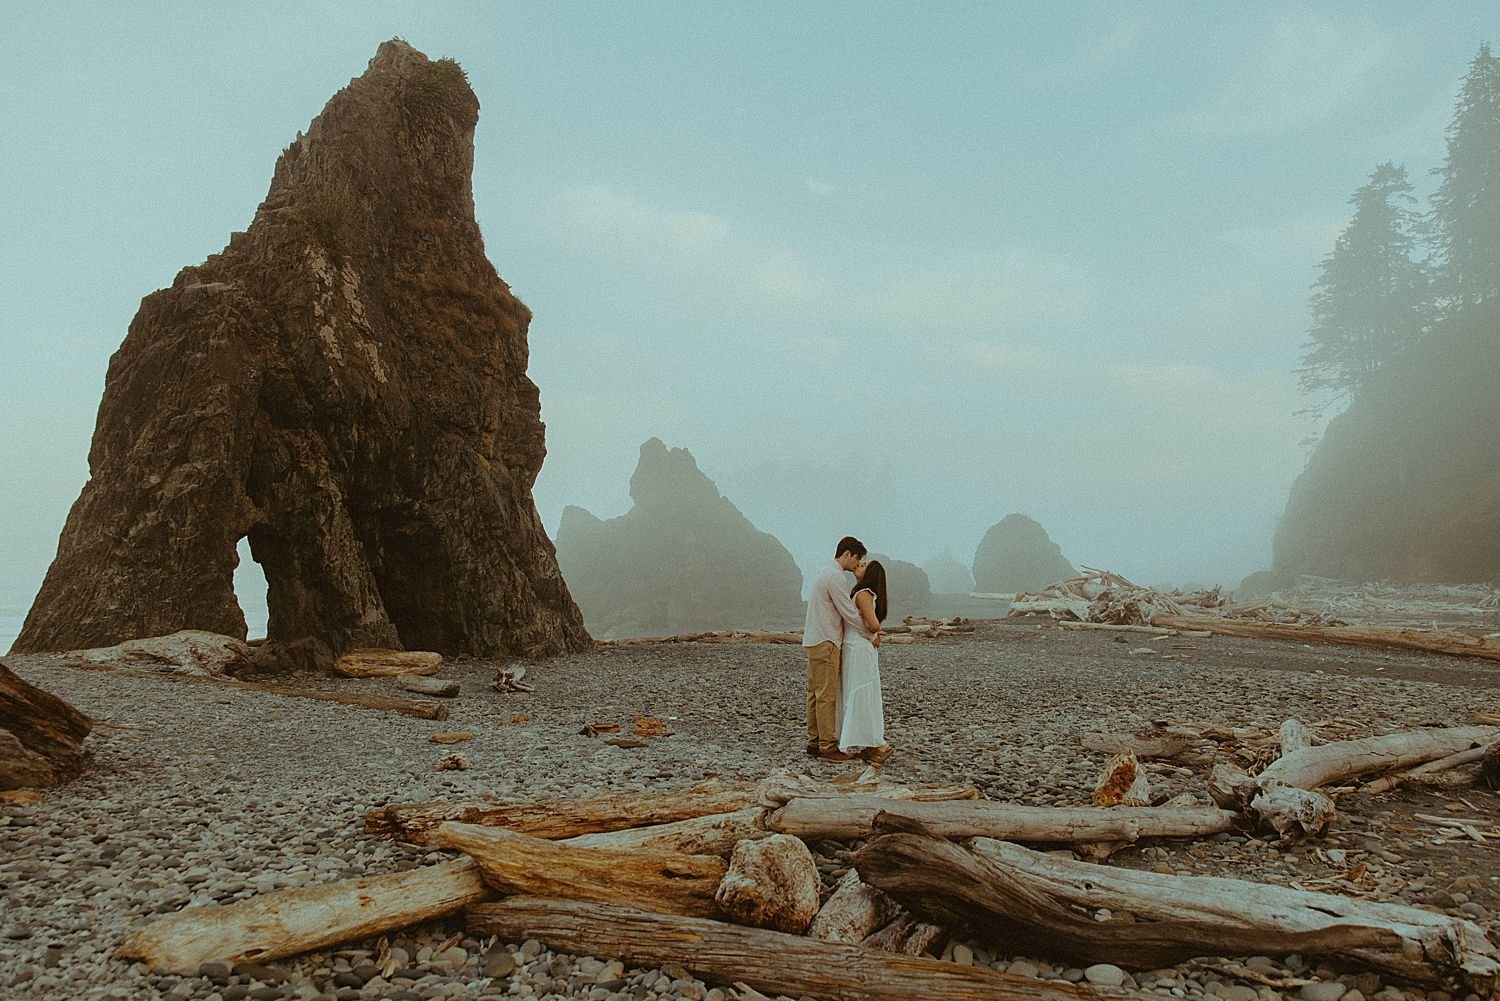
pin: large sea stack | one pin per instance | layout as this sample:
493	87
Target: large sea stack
1017	555
682	559
345	384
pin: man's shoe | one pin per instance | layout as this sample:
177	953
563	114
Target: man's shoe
835	755
877	755
811	749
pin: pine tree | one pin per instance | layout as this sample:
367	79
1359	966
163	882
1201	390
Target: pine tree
1371	300
1465	218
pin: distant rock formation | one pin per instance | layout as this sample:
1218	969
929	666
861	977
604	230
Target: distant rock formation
345	384
948	576
907	589
41	736
1405	484
1017	555
683	559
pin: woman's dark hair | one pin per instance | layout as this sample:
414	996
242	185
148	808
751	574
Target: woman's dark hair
873	581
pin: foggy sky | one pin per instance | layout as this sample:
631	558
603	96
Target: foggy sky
882	269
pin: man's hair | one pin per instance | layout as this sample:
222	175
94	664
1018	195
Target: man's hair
849	544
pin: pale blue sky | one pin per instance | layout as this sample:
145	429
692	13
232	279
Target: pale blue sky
895	269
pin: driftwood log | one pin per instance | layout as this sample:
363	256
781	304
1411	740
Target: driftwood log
1430	771
387	663
850	818
1123	628
1021	897
287	922
1147	748
668	882
438	687
853	913
716	834
1294	736
908	936
556	819
1312	767
41	736
784	785
1430	641
773	962
419	708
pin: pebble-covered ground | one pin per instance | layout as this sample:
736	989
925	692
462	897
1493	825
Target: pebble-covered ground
197	794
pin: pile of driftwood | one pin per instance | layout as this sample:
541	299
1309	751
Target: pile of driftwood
1450	606
1106	597
722	880
914	628
1101	599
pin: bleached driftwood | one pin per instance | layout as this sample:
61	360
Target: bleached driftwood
768	961
771	883
1030	899
419	708
557	819
1116	627
187	651
1431	769
1145	748
715	834
783	785
439	687
908	936
512	863
1346	759
1292	812
373	663
1458	644
850	818
508	679
1230	788
287	922
1294	737
1076	607
853	913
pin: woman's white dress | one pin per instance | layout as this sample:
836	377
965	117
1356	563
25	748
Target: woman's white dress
860	719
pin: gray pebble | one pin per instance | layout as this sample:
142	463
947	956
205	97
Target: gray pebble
1109	975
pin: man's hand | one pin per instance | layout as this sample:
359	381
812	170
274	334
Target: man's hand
875	642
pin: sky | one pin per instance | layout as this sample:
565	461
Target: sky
889	269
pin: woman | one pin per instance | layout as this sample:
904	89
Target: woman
861	712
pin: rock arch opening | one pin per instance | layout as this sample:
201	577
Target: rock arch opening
250	590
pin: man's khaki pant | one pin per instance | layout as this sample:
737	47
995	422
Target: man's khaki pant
822	695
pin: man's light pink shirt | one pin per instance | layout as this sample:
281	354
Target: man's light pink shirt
829	607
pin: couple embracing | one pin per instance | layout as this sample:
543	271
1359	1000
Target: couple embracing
845	713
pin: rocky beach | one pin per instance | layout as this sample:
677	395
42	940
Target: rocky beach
194	795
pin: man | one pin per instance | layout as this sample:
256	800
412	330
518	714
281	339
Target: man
828	608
